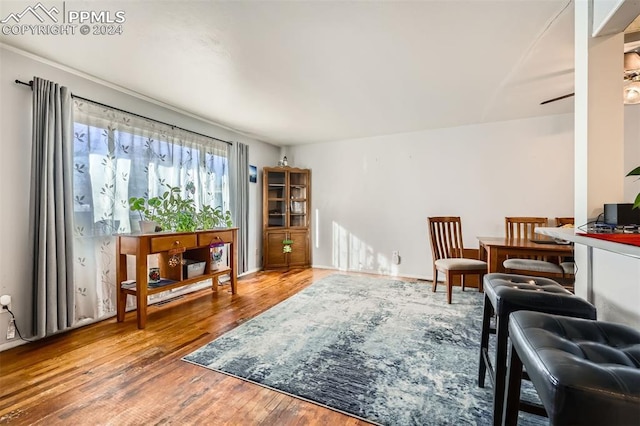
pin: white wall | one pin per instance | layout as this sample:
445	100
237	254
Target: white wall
374	195
616	287
15	141
616	278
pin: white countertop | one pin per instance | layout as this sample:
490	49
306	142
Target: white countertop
569	234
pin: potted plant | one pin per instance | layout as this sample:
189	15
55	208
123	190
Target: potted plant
181	211
286	245
146	208
635	172
212	217
171	212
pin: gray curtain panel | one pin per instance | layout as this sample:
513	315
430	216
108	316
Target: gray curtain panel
239	195
51	208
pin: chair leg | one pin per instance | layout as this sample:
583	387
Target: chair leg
449	283
462	281
435	280
481	283
512	391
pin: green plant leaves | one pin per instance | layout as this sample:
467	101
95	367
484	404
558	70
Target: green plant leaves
634	172
173	213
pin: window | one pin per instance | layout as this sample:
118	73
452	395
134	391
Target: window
117	156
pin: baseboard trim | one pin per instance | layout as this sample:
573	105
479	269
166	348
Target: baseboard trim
412	276
252	271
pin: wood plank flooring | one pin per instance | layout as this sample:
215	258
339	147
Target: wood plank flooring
111	373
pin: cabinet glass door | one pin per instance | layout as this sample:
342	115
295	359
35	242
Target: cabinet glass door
276	199
298	199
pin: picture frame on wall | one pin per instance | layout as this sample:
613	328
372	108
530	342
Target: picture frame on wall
253	174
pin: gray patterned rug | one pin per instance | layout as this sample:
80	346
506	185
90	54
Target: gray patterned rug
389	352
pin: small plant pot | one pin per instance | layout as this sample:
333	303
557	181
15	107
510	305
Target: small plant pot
147	226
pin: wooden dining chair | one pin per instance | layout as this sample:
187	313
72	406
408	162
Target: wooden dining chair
567	264
448	254
564	221
524	228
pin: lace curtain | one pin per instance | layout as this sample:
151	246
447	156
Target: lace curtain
117	156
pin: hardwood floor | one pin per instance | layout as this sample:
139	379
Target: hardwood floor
112	373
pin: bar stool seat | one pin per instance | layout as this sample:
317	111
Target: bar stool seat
508	293
585	372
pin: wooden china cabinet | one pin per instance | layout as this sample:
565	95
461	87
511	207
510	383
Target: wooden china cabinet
286	217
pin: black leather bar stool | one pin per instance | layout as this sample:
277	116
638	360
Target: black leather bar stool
585	372
508	293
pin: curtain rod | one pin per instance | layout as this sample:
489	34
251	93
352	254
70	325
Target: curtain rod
30	84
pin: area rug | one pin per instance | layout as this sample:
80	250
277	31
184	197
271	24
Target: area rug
386	351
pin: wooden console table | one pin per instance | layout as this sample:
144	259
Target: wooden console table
169	247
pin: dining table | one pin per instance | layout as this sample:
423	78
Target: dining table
495	250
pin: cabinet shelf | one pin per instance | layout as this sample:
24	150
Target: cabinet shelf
171	284
286	216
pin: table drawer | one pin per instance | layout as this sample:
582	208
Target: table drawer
159	244
206	238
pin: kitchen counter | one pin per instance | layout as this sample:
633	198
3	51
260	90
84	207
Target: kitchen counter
573	235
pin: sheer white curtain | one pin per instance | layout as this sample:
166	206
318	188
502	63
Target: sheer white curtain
117	156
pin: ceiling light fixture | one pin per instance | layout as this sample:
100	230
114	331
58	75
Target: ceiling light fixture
632	93
631	90
631	61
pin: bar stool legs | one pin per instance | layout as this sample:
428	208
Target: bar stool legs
484	343
512	390
497	372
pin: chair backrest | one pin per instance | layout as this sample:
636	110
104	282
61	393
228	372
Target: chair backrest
446	237
523	227
561	221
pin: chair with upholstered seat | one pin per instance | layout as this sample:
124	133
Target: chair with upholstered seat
567	264
524	228
448	253
585	372
505	294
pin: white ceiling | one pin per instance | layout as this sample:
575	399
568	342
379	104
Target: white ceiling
291	72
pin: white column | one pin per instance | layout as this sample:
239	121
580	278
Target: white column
599	128
611	281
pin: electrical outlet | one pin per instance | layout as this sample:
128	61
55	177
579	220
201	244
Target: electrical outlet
395	257
5	300
11	329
